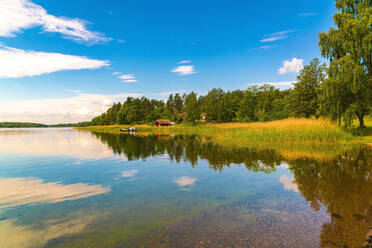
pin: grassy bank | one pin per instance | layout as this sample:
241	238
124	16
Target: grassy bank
289	131
363	134
293	138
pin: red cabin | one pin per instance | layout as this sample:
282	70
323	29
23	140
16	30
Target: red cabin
163	123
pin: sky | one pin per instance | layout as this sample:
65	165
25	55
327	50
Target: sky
68	61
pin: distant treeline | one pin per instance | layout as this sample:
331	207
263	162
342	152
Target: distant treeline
39	125
256	103
309	98
20	125
341	92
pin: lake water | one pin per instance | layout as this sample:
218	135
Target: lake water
68	188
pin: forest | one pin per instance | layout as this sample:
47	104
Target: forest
340	90
20	125
39	125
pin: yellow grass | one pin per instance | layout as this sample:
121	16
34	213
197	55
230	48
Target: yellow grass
293	138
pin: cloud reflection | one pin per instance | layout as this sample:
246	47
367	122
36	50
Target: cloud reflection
185	181
289	183
53	142
22	191
129	173
29	236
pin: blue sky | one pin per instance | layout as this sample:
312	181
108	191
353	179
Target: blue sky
61	61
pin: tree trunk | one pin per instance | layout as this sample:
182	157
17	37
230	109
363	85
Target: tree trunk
361	121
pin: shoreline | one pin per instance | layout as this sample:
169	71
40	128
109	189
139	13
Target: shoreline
293	129
302	138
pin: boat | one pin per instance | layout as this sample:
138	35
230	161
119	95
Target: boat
129	130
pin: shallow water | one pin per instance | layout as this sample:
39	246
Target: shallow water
67	188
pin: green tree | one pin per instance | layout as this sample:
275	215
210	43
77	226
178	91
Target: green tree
213	105
280	109
131	111
178	103
161	112
111	113
175	106
265	102
230	105
303	99
192	108
349	49
170	104
248	104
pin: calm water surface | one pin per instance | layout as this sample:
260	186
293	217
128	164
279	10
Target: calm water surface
67	188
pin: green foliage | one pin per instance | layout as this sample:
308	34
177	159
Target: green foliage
271	104
213	105
39	125
20	125
175	106
303	100
192	108
133	110
349	49
265	103
247	106
345	94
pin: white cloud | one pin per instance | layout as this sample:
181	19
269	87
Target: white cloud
272	39
131	81
17	15
184	70
291	66
82	107
277	36
163	95
286	83
128	78
265	47
16	63
185	62
166	93
129	173
307	14
116	73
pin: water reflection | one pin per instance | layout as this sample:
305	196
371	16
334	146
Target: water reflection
343	185
13	235
129	173
190	148
185	181
289	183
52	142
22	191
177	191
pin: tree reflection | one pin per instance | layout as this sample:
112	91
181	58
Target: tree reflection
190	148
342	186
